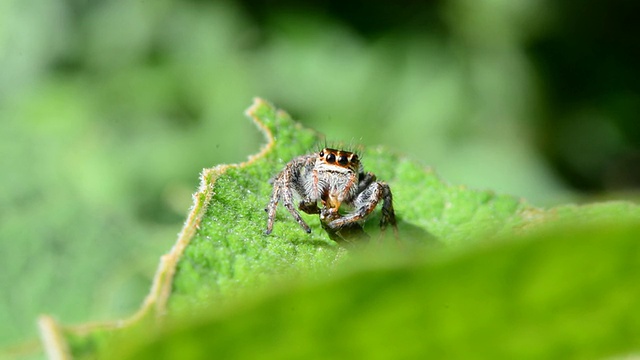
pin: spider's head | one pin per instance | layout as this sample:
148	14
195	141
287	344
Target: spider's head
339	159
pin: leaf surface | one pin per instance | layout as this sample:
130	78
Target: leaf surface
564	294
224	270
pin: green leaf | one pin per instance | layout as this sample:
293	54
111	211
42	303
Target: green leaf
566	294
229	252
222	258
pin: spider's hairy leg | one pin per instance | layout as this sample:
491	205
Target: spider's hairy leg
366	202
306	184
287	201
366	179
284	185
273	205
348	234
284	193
310	207
388	215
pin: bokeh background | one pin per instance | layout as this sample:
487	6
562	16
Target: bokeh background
110	109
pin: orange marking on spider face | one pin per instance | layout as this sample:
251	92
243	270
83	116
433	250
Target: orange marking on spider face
340	158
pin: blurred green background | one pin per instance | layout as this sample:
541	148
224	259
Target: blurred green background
110	109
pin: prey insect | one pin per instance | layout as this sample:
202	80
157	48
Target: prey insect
336	179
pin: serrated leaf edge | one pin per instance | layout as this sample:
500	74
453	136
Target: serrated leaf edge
52	332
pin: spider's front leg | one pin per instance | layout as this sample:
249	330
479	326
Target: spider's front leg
347	234
364	205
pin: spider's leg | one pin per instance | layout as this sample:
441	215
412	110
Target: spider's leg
365	180
365	203
292	182
287	201
284	185
351	233
284	193
388	215
273	205
310	207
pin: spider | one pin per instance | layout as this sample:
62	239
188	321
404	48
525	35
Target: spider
334	177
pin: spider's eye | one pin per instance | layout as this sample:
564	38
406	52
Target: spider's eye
331	158
342	160
321	154
354	158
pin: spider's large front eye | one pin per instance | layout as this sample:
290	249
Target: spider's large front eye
342	160
331	158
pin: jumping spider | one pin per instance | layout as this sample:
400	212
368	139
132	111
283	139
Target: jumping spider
334	177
